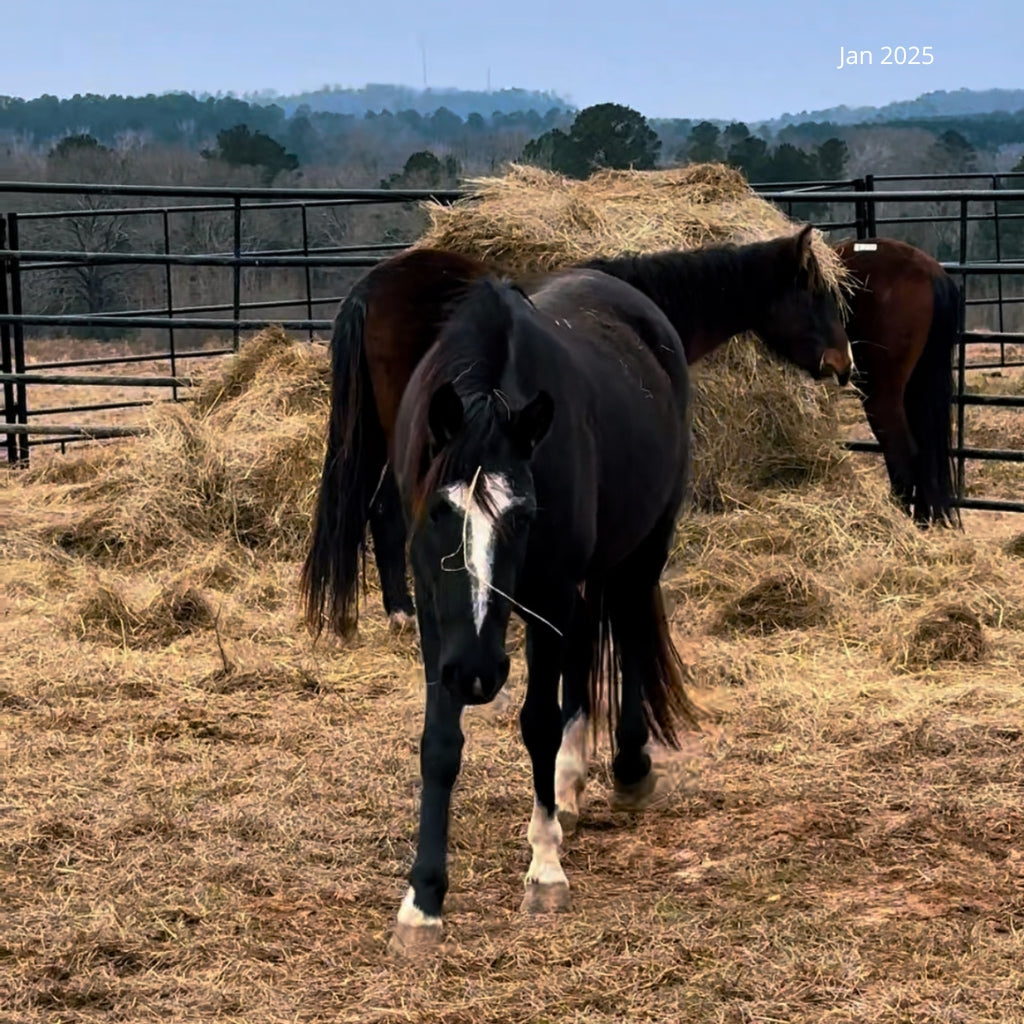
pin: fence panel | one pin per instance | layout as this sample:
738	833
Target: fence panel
177	273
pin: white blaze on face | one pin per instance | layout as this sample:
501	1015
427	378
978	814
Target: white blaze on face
479	533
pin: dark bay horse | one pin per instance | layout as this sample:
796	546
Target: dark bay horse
394	314
905	318
542	455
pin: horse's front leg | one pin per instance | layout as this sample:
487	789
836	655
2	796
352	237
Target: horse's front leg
547	888
419	917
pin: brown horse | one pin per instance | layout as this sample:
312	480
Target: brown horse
904	322
394	314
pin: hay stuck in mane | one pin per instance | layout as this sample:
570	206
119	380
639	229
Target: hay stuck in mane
758	422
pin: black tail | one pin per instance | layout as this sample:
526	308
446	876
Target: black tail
928	403
355	459
664	697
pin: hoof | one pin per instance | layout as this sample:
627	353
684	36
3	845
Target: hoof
399	622
568	820
552	898
409	940
634	797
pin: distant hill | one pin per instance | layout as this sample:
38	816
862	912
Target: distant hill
959	103
378	97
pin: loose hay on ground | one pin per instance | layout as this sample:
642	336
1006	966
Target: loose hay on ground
175	612
785	600
950	632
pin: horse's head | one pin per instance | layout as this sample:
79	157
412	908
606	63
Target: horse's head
468	544
803	323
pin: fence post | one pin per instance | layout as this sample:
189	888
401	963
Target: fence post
872	217
168	287
305	252
6	357
18	337
961	389
961	384
999	277
237	294
859	212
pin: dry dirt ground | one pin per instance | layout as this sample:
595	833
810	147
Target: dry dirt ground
205	817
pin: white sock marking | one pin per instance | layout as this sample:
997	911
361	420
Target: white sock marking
545	835
480	533
411	915
571	764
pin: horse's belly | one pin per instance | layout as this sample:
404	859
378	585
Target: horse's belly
640	478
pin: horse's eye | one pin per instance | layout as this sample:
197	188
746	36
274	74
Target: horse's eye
436	511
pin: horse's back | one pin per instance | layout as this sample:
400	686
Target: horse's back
607	311
407	299
617	366
891	306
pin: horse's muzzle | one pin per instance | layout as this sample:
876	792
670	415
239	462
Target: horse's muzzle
837	363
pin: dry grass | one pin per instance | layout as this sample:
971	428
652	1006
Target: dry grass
205	818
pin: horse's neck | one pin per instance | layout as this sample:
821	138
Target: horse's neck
706	306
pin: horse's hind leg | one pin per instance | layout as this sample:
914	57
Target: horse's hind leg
888	422
387	527
631	767
635	605
573	754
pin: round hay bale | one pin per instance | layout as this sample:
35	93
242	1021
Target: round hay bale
785	600
531	221
758	423
951	632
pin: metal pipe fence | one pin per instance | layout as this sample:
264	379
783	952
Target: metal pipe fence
161	301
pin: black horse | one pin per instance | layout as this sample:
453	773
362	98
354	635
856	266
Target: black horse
542	455
394	314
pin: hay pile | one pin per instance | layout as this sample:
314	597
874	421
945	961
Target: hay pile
758	423
532	220
238	466
837	564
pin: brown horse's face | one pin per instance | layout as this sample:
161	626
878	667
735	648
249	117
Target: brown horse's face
803	325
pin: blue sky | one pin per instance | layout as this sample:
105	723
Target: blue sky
667	58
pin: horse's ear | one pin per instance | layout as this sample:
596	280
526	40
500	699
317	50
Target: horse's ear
805	248
445	415
531	424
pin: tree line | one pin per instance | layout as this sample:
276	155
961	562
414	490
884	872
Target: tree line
392	151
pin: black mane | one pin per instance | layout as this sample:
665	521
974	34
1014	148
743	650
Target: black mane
472	351
673	277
